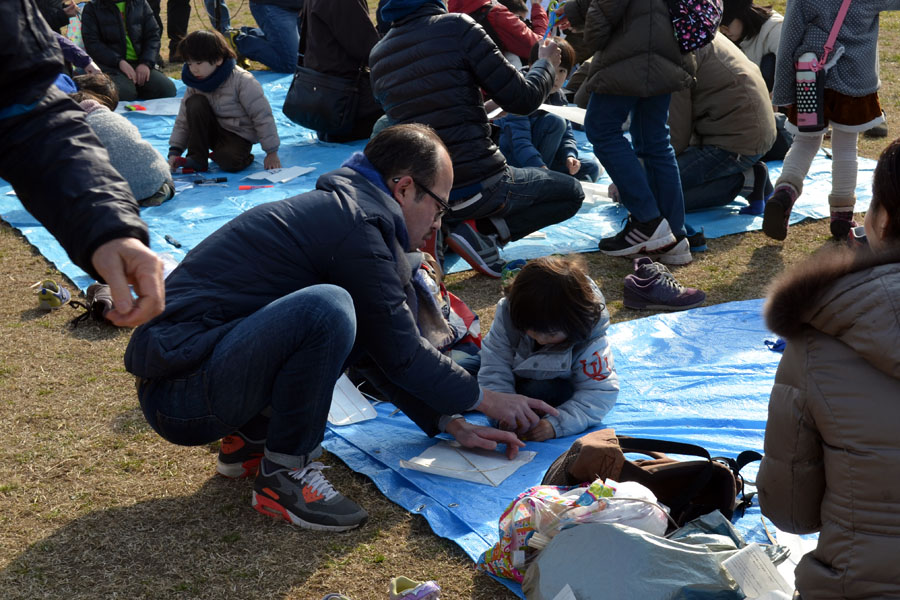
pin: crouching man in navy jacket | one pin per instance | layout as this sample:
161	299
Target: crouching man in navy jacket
263	316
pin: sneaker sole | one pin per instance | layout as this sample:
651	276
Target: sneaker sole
682	258
270	508
466	252
774	224
651	245
248	468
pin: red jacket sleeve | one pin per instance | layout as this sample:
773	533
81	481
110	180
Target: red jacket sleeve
514	34
539	19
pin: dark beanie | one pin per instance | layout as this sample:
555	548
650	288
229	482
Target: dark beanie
393	10
732	9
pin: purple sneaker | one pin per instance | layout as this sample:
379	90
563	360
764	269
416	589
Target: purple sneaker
660	292
404	588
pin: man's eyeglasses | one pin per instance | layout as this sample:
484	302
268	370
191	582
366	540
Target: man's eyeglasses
445	206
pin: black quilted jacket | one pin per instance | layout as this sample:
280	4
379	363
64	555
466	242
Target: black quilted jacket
431	67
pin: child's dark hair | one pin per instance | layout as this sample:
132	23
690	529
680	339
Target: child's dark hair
515	6
567	53
751	15
886	189
554	294
97	86
205	46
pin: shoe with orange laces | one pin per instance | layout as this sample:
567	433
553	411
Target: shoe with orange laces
239	456
305	498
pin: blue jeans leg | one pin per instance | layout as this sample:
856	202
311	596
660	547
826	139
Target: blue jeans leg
287	355
711	176
276	41
532	198
652	145
547	133
603	126
224	14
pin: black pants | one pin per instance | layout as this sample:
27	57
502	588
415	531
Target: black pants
230	151
178	13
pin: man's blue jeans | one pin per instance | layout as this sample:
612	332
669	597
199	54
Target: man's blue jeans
650	189
287	356
525	200
712	176
224	14
276	41
547	132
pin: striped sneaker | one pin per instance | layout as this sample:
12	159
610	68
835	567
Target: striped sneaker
637	238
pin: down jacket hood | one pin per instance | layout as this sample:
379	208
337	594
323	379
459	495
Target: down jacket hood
851	296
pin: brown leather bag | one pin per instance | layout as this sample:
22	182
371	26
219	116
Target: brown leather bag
689	488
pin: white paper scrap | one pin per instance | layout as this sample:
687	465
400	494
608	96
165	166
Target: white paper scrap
596	192
348	405
798	547
570	113
536	235
449	459
565	594
754	572
157	106
280	175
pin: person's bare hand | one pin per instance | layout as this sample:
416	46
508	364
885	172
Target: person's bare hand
271	161
573	165
562	21
478	436
141	74
550	51
514	412
70	8
92	68
173	162
541	432
127	70
125	261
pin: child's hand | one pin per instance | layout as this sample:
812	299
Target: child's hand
92	68
613	192
542	431
127	69
70	8
271	161
173	162
141	74
573	165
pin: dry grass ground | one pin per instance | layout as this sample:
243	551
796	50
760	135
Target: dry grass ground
93	504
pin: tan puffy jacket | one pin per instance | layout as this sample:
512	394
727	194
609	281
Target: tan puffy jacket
728	108
634	46
241	108
832	448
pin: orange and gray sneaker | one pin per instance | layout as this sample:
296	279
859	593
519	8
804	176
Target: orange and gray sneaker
304	497
239	457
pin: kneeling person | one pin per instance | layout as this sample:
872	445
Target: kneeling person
263	316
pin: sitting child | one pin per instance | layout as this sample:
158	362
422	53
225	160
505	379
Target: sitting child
545	140
223	110
134	158
548	341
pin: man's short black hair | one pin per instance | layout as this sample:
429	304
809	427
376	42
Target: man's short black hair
408	149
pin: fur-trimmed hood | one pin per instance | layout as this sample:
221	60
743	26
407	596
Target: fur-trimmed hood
853	296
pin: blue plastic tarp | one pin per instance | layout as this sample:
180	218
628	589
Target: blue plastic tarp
195	213
702	376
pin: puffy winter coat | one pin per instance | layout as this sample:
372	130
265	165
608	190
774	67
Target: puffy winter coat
729	107
507	352
832	452
634	46
346	232
430	68
104	32
240	107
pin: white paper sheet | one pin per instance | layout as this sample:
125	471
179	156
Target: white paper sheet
755	573
565	594
595	193
348	405
571	113
449	459
280	175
